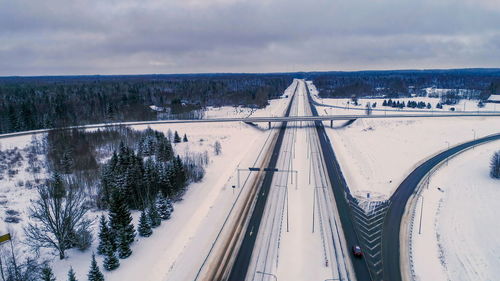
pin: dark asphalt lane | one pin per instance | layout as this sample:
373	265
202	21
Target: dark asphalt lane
342	197
391	232
243	258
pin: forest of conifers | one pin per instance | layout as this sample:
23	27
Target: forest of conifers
403	83
28	103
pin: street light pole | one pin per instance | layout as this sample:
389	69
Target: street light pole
269	274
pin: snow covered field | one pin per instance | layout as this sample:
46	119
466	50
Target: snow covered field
460	232
275	108
178	247
464	105
377	154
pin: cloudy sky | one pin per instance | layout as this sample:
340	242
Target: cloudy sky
54	37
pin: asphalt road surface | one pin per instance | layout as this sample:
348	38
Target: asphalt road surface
390	236
243	258
342	194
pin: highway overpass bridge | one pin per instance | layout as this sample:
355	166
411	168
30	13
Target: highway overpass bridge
268	120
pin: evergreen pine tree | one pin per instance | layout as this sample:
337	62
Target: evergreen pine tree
110	261
165	180
94	273
107	183
104	235
177	139
162	206
124	250
154	216
71	275
47	274
495	165
185	139
170	206
179	174
120	219
144	227
13	120
164	150
150	179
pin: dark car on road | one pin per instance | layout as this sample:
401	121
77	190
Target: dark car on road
356	251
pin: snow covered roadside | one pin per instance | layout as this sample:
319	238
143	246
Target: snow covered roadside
275	108
455	233
196	220
159	252
462	106
377	154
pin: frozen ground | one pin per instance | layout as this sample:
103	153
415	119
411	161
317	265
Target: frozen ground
460	232
178	247
376	154
275	108
463	105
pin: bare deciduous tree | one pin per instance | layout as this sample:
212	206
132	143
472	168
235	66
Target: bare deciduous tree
58	217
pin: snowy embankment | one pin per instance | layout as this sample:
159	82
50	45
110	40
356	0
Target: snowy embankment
462	106
275	108
178	247
346	106
457	236
376	154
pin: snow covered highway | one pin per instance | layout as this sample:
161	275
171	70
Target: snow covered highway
300	237
303	229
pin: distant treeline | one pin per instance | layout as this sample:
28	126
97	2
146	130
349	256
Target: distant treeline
393	84
28	103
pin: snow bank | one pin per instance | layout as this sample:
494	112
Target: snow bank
460	232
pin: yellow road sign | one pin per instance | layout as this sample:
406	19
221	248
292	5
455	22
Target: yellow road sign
4	238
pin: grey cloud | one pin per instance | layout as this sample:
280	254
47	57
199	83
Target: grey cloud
171	36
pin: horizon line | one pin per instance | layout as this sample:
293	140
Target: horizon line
258	73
